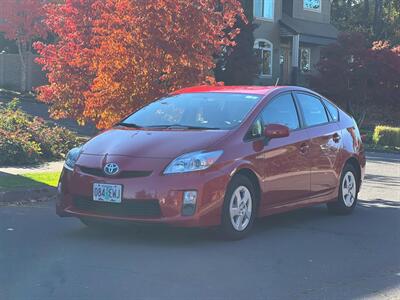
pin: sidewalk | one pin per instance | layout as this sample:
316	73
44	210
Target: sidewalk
46	167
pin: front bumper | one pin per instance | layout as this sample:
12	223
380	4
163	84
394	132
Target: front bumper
167	190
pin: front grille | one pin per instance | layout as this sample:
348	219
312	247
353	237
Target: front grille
128	208
123	174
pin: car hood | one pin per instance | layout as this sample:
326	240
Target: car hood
151	143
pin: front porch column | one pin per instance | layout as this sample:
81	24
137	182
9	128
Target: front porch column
295	59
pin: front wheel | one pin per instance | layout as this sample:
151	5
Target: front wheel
239	208
348	192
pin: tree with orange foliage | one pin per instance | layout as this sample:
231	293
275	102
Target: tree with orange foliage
22	21
114	56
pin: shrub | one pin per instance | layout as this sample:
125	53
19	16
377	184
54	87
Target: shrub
17	148
368	85
55	141
387	136
25	139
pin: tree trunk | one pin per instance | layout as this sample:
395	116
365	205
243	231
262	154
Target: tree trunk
377	26
247	6
23	57
348	9
366	11
389	9
335	5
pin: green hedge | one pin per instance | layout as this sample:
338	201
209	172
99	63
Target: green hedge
386	136
26	140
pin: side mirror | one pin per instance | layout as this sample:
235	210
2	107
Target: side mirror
276	131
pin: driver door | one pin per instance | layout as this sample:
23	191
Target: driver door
285	166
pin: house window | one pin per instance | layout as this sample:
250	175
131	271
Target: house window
314	5
264	9
305	60
263	49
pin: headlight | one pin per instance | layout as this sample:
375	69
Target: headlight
194	161
71	158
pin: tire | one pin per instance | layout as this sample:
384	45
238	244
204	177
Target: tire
347	198
239	208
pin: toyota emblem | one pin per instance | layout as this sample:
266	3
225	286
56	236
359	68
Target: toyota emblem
111	169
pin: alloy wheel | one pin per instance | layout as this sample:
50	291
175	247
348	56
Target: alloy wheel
349	187
240	208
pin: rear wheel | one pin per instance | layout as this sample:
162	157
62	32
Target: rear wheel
348	192
239	208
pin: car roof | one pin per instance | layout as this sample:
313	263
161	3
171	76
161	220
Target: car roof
258	90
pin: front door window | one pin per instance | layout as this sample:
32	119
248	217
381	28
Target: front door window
281	110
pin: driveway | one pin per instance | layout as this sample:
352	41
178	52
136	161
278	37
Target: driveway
307	254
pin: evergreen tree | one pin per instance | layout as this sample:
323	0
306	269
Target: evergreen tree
377	19
238	65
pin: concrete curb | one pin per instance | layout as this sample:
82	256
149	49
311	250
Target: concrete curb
28	195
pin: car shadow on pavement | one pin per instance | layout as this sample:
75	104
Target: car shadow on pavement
168	235
152	234
290	247
379	202
384	180
264	228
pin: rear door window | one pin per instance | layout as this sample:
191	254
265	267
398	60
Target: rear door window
314	112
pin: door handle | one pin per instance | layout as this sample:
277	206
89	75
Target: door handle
304	148
336	137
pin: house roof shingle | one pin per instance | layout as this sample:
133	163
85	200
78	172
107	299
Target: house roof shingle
312	32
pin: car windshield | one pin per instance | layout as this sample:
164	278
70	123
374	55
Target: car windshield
194	111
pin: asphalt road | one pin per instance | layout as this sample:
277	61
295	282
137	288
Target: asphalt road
307	254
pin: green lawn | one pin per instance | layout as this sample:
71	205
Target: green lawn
29	180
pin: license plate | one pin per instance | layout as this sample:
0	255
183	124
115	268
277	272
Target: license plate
107	192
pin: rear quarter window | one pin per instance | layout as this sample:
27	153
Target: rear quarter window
332	109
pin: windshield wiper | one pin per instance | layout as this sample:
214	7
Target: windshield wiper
172	126
130	125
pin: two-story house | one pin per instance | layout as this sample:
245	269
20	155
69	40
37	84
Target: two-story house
289	38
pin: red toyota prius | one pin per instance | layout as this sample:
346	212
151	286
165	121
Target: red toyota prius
217	156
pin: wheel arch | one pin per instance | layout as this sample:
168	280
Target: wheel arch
356	165
252	176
